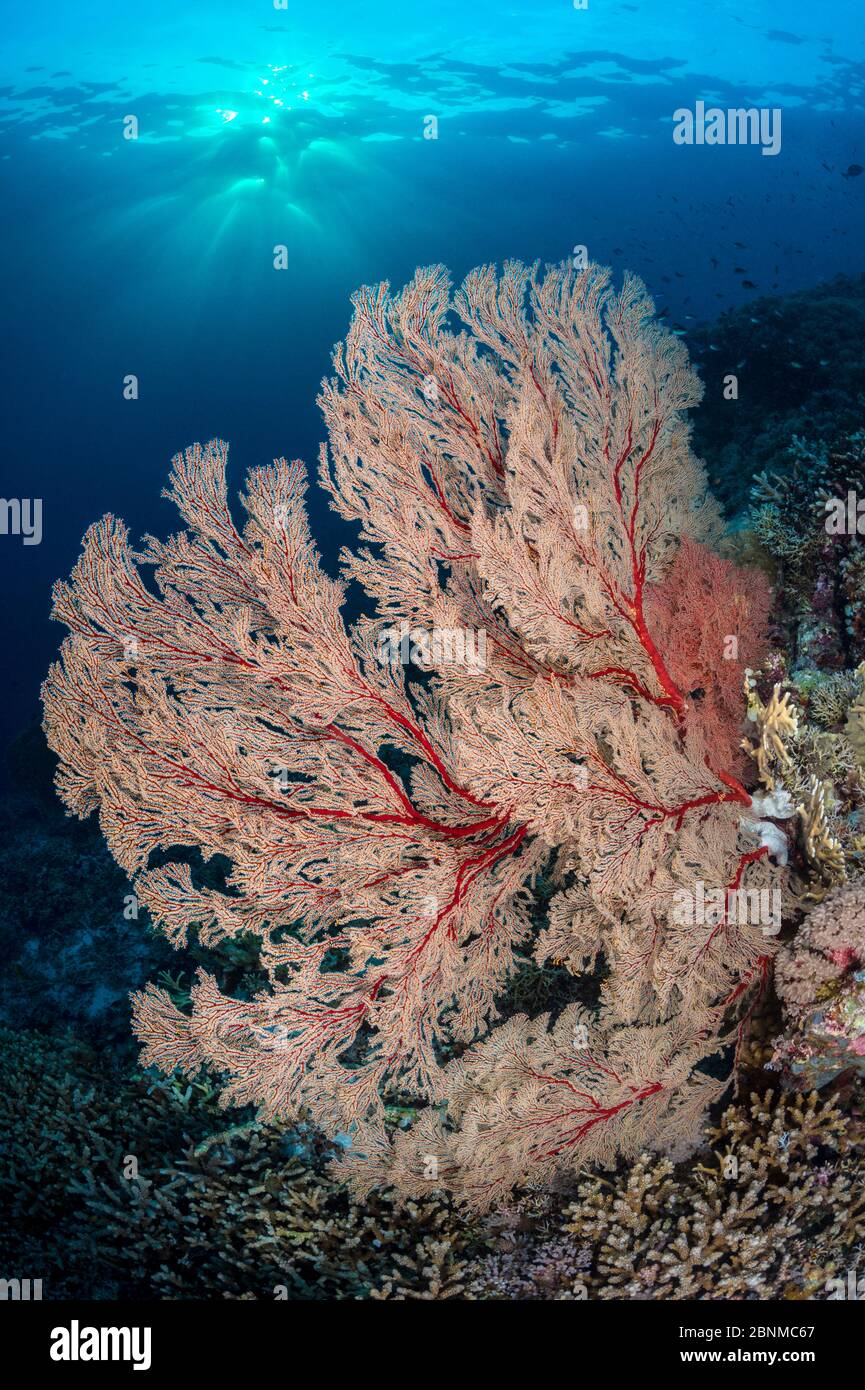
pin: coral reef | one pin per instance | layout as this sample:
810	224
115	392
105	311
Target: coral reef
810	771
119	1186
772	1208
803	518
777	1213
118	1183
820	981
801	367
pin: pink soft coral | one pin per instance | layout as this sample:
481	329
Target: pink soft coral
710	617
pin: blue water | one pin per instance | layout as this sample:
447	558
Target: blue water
304	127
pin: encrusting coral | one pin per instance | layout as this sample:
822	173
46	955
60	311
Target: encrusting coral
536	529
820	980
803	519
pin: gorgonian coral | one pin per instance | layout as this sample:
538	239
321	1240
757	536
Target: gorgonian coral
517	458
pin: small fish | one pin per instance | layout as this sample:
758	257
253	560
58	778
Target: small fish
853	171
748	285
797	365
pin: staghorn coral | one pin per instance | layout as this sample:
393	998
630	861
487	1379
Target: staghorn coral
823	850
854	727
777	721
205	1212
524	483
776	1213
250	1212
830	699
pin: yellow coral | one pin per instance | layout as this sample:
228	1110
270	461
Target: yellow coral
823	850
776	721
855	726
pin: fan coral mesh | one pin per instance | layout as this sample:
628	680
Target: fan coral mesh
516	456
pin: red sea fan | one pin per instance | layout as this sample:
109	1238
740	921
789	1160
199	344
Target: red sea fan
711	618
517	459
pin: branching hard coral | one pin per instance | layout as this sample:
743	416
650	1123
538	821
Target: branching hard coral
810	770
777	721
517	459
823	849
773	1210
776	1213
116	1187
854	726
831	697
